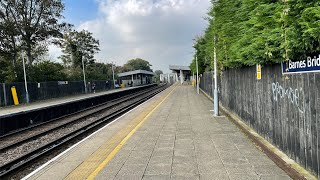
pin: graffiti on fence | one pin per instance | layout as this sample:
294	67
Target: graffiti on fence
293	95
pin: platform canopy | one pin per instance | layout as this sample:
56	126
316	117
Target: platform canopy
129	73
135	78
178	68
183	72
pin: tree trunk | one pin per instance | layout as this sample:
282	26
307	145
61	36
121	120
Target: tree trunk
14	62
28	51
14	56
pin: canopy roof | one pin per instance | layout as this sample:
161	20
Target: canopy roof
129	73
175	67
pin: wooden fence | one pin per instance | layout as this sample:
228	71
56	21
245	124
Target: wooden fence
284	109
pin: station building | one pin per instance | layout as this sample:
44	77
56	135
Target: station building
135	78
183	72
169	77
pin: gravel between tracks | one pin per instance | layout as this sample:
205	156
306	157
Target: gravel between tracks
29	146
45	127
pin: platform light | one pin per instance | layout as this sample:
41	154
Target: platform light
198	91
197	68
114	83
84	76
215	92
25	77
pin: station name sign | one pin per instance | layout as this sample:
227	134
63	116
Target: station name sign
311	64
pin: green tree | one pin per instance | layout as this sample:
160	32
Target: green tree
136	64
4	72
262	31
99	71
157	75
158	72
47	71
204	58
74	74
9	45
33	21
77	46
27	25
303	28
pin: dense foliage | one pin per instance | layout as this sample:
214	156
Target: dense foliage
157	75
78	46
135	64
27	27
27	24
48	71
248	32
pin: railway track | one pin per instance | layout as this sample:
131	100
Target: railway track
18	137
45	138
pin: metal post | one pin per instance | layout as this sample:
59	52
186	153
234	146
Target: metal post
132	79
114	83
215	95
84	76
25	78
193	79
4	94
181	76
197	75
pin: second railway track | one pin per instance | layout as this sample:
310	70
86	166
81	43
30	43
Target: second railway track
20	148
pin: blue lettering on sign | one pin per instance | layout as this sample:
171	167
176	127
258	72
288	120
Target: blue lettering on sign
311	64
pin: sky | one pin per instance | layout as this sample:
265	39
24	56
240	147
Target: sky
159	31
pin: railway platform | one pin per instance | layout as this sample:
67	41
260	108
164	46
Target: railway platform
4	111
171	136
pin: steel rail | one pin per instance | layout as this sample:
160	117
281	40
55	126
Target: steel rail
22	161
64	116
101	107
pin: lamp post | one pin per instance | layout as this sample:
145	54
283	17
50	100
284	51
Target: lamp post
114	83
197	81
215	92
84	76
197	75
25	78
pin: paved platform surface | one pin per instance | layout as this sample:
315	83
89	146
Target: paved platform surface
52	102
172	136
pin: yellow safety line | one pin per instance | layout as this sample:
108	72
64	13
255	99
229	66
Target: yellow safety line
116	150
92	162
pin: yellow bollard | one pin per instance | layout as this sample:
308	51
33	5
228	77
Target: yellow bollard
14	95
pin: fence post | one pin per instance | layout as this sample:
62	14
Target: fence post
4	94
1	99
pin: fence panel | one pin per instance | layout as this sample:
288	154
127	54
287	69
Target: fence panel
283	109
2	100
49	90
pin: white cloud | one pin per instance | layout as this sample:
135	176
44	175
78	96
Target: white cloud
160	31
